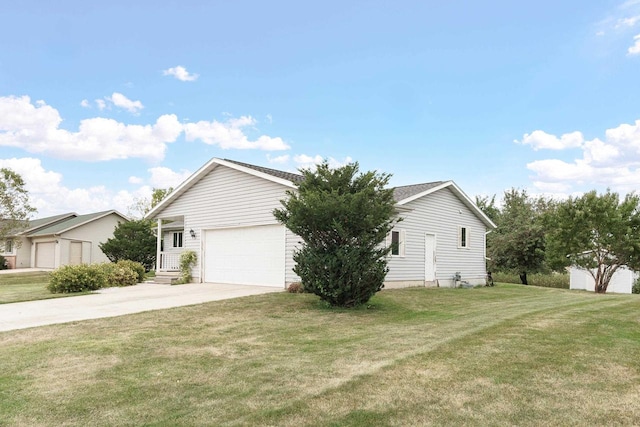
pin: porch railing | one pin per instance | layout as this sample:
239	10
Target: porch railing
169	261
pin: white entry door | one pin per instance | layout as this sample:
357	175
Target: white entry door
430	258
75	253
246	256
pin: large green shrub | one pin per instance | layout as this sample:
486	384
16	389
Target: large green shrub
135	266
76	278
132	240
3	263
343	218
636	286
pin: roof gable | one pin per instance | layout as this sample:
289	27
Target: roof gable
414	192
284	178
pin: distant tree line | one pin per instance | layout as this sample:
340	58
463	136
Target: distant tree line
597	232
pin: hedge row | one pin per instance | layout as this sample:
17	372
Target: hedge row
85	277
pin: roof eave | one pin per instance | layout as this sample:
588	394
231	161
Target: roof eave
204	170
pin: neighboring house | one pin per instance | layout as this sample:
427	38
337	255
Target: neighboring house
224	212
62	239
621	282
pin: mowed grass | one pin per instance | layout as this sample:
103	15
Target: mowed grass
25	287
508	355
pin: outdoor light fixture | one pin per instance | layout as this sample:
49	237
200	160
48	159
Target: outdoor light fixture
192	233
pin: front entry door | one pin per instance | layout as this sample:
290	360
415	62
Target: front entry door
430	258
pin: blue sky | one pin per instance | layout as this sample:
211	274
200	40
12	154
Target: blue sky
102	101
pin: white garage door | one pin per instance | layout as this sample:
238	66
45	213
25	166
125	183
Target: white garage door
246	256
45	255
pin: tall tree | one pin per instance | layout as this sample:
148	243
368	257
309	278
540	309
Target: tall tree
132	240
488	206
599	233
343	218
14	203
518	244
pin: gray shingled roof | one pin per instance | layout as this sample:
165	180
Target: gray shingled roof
293	177
406	191
399	193
67	224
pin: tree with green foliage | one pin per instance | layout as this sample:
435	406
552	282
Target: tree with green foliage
518	244
598	233
141	207
343	218
132	240
488	207
14	204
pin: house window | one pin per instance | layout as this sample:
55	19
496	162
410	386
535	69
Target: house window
463	237
396	240
8	246
177	240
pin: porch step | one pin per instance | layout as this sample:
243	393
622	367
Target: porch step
166	278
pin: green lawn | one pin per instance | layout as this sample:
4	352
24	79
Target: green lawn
508	355
25	287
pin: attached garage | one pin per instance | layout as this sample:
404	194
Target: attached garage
245	256
46	255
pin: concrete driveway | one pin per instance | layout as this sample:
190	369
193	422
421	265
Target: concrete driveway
110	302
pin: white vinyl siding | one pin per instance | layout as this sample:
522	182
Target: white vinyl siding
441	214
227	198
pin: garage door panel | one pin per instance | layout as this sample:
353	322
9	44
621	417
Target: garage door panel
249	255
45	255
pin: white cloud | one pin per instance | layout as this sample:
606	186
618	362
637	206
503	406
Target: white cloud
180	73
163	177
50	196
629	21
635	48
119	100
135	180
613	162
101	104
541	140
279	160
304	161
85	103
36	129
230	134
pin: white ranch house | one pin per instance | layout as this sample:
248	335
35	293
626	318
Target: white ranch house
223	212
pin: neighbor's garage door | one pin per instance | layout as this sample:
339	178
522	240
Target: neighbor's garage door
45	255
246	256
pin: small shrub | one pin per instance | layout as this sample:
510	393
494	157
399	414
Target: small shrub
546	280
295	288
187	261
636	286
75	278
135	266
116	274
4	265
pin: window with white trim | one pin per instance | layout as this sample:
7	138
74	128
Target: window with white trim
177	239
7	247
396	240
463	237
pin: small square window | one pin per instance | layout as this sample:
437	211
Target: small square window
177	240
